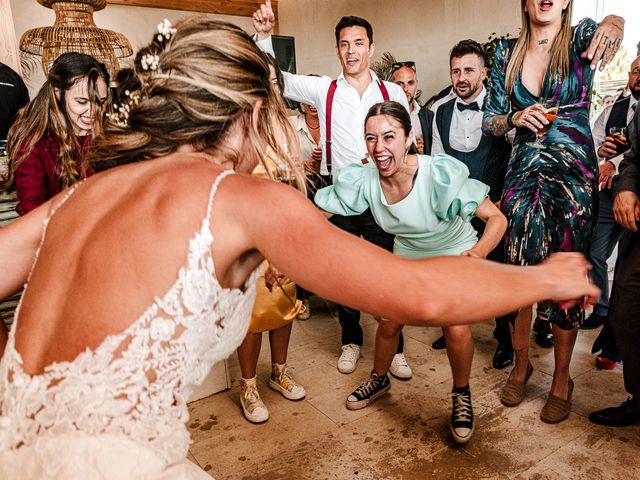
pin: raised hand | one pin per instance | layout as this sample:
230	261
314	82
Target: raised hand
263	20
605	42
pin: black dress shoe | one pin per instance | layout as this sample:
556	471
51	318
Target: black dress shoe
544	337
503	357
439	344
593	321
626	414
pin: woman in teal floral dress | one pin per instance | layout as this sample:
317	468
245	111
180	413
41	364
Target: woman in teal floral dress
549	191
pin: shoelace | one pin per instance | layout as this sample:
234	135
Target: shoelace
252	397
368	386
462	410
401	360
286	381
349	354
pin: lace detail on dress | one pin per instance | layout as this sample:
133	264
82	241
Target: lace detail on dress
136	383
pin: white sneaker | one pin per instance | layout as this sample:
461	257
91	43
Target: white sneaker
282	382
399	367
349	358
306	313
253	407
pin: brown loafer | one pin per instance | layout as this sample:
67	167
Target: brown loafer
557	409
514	391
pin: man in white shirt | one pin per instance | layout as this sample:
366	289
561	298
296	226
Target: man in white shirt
342	106
607	232
404	75
457	131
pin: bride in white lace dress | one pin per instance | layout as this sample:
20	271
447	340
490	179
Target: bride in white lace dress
143	275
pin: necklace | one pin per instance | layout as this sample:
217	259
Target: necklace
312	128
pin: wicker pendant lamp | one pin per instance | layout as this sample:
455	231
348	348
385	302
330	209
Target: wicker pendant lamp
75	31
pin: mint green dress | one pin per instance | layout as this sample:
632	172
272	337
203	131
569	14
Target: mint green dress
432	220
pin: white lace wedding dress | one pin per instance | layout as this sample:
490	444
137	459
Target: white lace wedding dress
119	412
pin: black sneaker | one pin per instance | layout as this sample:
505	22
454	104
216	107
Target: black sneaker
372	388
461	416
593	321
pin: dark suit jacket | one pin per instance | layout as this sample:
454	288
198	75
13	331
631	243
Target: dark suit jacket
629	176
426	122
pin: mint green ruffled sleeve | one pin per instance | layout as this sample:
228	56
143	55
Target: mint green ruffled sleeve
453	192
347	194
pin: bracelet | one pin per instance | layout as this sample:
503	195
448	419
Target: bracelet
510	119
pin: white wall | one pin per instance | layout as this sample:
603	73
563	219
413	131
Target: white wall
136	23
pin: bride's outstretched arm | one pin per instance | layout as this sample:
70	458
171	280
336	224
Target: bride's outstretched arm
441	291
18	244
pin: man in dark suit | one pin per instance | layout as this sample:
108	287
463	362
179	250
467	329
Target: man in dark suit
624	310
404	75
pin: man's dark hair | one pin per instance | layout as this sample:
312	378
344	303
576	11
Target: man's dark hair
354	22
465	47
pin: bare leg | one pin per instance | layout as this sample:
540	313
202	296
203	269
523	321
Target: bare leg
564	340
520	339
248	353
460	352
279	342
387	336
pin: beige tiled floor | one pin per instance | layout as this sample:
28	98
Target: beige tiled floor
405	434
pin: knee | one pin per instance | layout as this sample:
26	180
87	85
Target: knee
388	329
458	333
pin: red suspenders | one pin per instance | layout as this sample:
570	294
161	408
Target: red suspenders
330	94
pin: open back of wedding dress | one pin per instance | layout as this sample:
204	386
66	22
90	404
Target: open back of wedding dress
119	411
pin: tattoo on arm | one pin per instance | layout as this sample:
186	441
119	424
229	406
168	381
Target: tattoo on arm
496	125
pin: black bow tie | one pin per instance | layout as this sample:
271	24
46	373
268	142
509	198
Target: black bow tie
471	106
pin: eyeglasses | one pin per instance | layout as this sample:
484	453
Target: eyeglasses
397	65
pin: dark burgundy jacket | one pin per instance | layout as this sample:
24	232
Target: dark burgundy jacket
37	178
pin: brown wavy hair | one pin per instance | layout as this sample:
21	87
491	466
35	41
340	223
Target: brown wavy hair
46	115
210	75
560	50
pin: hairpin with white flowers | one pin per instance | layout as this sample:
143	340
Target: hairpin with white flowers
151	61
120	113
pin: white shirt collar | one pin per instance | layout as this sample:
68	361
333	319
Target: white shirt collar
374	77
416	107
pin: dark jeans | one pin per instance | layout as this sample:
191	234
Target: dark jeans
501	332
364	226
624	312
606	234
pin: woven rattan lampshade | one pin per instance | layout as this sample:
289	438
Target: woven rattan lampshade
75	31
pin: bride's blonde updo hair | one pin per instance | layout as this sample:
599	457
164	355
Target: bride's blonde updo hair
206	76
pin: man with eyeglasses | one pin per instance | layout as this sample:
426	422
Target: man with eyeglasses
457	131
608	132
342	106
404	75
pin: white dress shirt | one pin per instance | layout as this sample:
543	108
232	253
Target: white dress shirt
598	131
415	120
348	113
465	132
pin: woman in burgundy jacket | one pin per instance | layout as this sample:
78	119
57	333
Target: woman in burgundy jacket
48	143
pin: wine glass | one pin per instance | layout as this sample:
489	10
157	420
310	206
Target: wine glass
620	140
551	106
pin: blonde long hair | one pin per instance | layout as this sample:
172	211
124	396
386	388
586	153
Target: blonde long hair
207	76
46	114
560	50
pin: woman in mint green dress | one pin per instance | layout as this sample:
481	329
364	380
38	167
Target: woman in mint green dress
427	203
